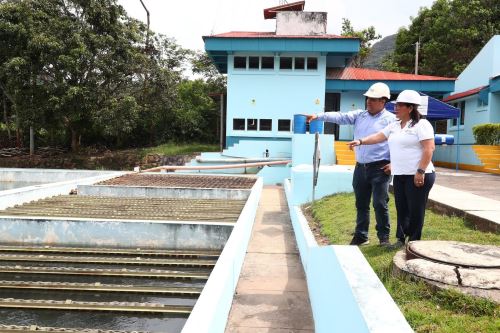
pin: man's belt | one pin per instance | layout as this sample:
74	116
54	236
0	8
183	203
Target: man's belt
384	162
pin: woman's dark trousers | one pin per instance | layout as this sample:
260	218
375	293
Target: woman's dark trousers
410	205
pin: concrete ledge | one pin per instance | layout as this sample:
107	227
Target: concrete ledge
331	179
211	311
483	212
346	294
113	233
163	192
47	175
21	195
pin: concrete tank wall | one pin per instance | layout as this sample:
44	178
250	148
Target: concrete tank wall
111	233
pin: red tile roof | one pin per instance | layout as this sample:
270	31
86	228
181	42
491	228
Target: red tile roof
463	94
270	13
262	34
353	73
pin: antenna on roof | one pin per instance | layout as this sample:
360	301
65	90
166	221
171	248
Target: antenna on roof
283	2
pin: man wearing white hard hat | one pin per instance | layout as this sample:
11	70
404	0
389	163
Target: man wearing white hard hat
411	143
372	172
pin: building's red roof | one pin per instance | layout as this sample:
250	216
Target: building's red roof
270	13
353	73
262	34
463	94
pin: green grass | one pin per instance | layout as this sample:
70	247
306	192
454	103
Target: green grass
425	308
170	149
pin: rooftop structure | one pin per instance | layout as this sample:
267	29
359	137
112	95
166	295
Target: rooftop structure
298	68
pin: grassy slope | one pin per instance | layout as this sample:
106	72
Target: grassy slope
425	309
170	149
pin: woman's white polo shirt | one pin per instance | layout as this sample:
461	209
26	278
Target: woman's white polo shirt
405	147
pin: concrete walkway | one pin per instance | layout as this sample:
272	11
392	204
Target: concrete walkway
271	295
472	195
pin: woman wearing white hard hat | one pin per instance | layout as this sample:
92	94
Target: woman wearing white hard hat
411	144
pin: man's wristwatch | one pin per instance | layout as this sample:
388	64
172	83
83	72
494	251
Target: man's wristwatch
421	171
360	142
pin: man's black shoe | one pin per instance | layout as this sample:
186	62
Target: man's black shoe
359	241
384	242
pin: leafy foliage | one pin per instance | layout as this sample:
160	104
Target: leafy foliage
366	36
79	71
487	134
450	33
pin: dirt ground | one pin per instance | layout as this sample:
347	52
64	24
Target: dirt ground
93	160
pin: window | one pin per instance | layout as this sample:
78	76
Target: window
481	103
312	63
266	125
240	62
238	124
286	62
253	62
461	107
454	120
462	112
284	125
267	62
300	63
251	124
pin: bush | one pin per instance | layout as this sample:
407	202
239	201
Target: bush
487	134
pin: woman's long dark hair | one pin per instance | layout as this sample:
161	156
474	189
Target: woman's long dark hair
415	116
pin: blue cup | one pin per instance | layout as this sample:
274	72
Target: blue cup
316	126
299	124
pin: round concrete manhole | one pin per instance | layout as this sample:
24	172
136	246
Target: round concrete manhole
470	268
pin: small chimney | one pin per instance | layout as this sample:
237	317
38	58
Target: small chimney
300	23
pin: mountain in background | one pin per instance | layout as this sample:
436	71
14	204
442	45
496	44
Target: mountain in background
379	50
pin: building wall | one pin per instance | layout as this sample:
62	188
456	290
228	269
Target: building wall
485	65
273	94
494	104
474	115
478	73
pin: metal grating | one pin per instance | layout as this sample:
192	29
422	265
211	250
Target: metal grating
186	181
207	210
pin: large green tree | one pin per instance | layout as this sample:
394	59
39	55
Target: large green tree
85	72
450	33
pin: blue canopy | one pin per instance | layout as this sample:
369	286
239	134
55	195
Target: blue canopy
433	108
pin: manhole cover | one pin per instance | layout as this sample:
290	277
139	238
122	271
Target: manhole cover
456	253
469	268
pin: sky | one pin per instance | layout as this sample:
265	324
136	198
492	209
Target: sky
188	20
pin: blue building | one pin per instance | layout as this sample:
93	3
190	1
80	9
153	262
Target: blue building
298	68
477	95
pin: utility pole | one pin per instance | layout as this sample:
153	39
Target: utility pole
147	32
417	46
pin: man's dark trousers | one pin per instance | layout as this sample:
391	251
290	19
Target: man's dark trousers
369	179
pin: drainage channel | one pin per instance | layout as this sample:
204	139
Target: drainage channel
96	289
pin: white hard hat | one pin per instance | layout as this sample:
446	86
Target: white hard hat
409	96
378	90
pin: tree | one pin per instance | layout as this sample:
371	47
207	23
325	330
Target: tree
195	113
65	60
366	36
450	33
83	71
202	65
